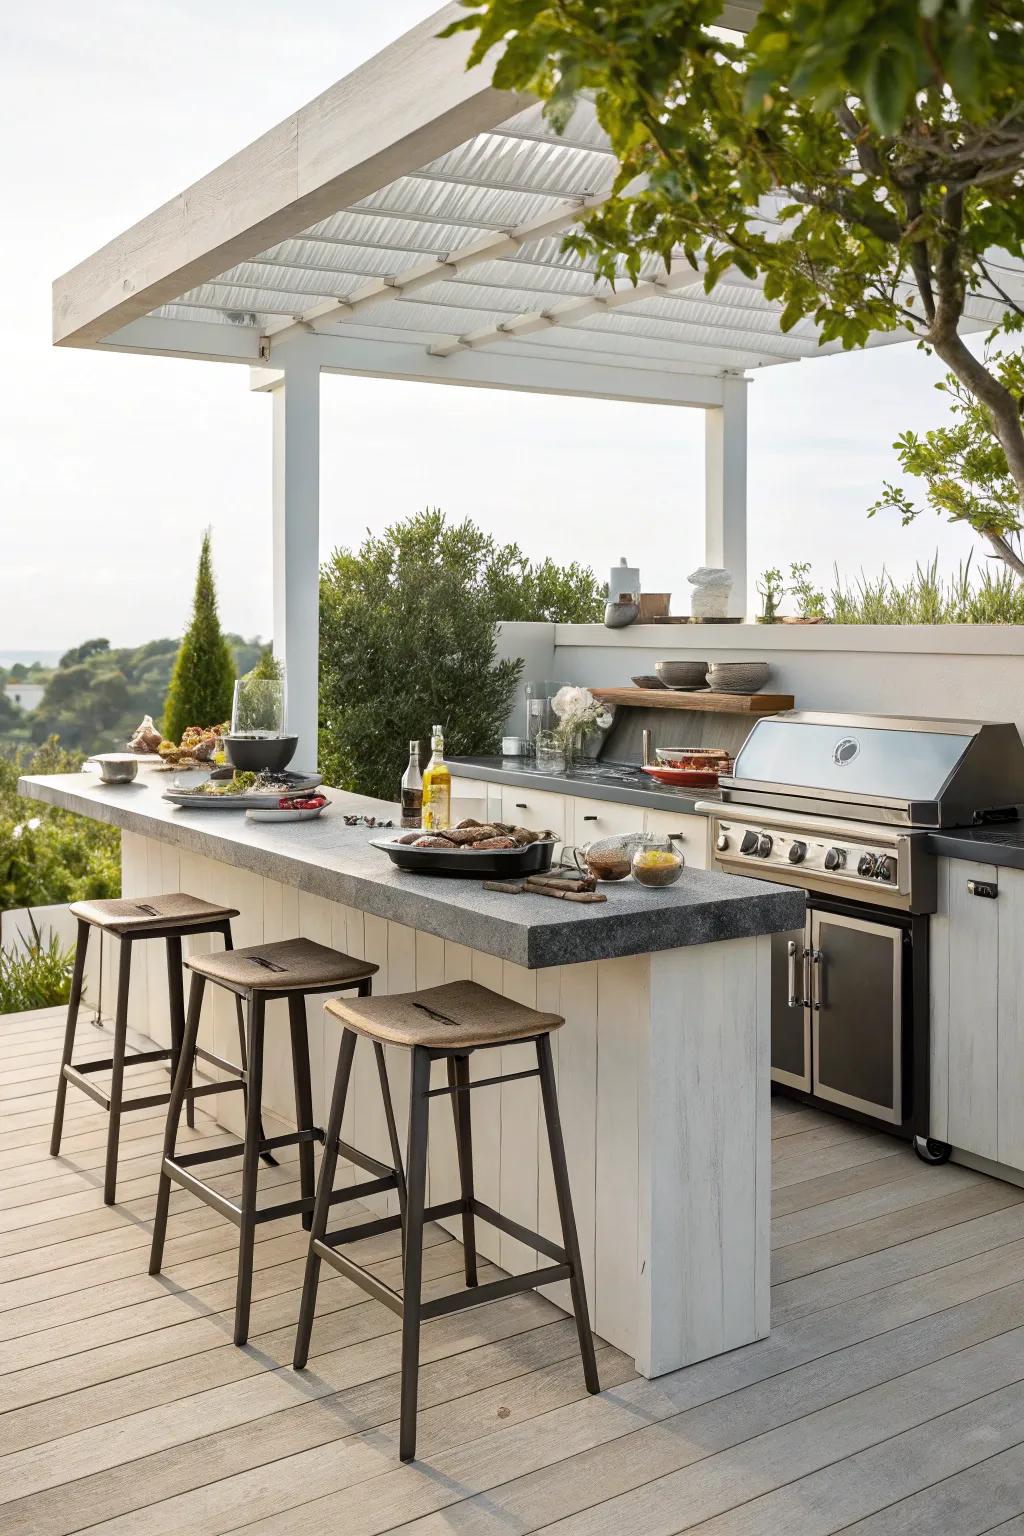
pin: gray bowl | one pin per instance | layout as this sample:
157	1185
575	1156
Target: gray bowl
253	754
738	676
682	674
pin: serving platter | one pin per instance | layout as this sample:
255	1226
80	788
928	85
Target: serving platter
486	864
183	792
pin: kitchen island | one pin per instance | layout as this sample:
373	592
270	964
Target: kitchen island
663	1064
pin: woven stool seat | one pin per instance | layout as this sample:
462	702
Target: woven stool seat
458	1015
293	965
134	914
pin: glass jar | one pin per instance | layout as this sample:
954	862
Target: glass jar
549	751
657	861
259	707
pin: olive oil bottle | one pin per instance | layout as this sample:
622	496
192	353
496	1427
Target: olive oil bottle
412	789
437	787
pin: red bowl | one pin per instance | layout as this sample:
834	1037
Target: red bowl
688	778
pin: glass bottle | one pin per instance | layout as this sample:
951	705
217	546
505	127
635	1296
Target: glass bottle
437	787
412	789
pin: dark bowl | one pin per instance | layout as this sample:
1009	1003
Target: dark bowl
488	864
251	755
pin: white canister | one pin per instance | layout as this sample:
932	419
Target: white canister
711	588
624	581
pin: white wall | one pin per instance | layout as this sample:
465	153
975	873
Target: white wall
967	671
535	643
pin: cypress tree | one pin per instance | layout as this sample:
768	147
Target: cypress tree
203	679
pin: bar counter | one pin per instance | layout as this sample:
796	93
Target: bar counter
663	1063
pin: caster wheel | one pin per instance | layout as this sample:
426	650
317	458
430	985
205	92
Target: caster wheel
931	1151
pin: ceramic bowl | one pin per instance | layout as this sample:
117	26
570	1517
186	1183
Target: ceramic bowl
116	767
253	754
738	676
646	680
691	757
682	674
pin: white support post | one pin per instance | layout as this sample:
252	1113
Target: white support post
725	488
297	547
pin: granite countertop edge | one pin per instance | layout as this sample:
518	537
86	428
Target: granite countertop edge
715	907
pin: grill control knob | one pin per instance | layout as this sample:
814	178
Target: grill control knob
797	852
722	841
764	845
866	864
748	843
835	858
885	867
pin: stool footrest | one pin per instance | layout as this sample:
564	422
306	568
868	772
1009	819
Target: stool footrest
202	1191
522	1234
364	1160
137	1058
449	1090
237	1148
494	1290
230	1067
362	1277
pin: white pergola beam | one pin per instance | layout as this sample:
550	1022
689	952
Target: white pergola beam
407	106
490	247
725	489
584	376
570	312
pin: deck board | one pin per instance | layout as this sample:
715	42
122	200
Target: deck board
888	1399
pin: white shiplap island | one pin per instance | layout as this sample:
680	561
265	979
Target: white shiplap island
662	1065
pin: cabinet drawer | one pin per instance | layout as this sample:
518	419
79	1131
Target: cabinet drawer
469	798
537	809
592	819
692	832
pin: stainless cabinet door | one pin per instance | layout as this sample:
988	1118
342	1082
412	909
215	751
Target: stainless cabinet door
791	1019
856	1012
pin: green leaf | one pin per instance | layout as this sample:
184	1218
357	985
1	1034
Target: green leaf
888	88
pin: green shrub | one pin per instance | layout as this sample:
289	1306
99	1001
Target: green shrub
38	976
203	679
48	855
408	638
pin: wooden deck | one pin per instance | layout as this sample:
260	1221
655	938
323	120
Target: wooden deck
888	1399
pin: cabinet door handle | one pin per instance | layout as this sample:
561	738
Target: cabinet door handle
987	888
812	985
795	1001
590	818
521	805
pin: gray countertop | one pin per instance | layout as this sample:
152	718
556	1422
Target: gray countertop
999	843
583	781
328	858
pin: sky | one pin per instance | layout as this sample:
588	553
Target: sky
112	465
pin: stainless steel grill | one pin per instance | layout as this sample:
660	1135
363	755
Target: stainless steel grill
840	803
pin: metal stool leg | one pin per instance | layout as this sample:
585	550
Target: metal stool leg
268	1157
74	1002
416	1177
324	1190
563	1195
176	1007
124	971
250	1164
389	1116
303	1098
177	1099
458	1076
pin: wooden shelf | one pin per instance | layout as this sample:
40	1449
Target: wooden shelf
719	703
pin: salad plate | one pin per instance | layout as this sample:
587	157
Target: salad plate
217	790
305	809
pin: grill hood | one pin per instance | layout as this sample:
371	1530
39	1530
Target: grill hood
883	768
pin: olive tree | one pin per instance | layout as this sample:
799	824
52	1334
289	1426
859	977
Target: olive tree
863	160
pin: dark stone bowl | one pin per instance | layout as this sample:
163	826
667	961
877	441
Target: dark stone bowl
252	755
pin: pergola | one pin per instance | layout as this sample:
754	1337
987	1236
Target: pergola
408	224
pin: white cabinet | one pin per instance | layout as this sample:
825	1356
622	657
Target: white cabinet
977	1011
690	830
592	819
538	809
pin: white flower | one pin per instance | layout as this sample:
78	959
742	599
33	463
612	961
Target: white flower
16	832
33	823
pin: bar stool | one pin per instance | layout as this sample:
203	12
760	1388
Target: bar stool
293	969
442	1023
130	920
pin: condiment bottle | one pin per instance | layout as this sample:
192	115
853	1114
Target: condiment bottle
412	789
437	787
